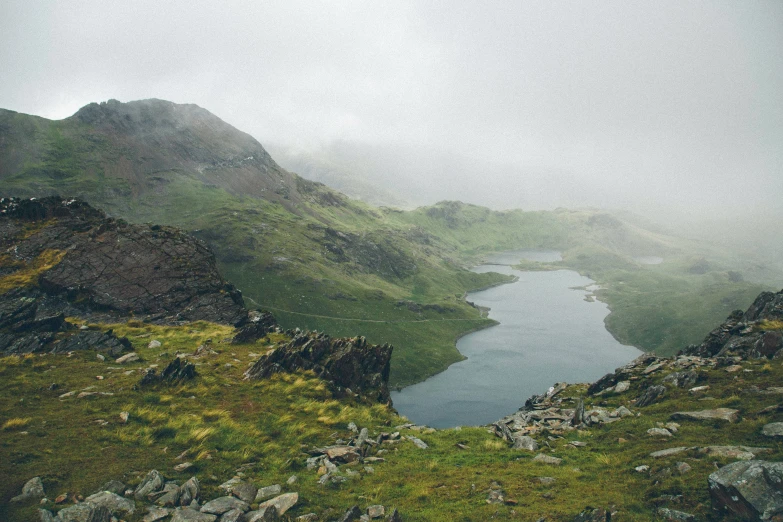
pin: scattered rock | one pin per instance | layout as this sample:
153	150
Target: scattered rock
594	515
670	451
282	503
642	469
245	491
724	414
152	483
100	514
191	515
220	505
154	344
114	502
659	432
547	459
124	416
734	452
417	442
394	517
128	358
650	395
682	468
155	513
33	489
677	516
235	515
750	490
190	491
268	491
179	468
376	511
75	513
495	494
354	513
525	442
774	429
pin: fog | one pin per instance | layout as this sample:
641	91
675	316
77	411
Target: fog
669	109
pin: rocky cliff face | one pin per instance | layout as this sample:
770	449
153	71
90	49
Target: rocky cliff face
351	365
72	259
752	334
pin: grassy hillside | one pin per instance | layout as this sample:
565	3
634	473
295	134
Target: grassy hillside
320	260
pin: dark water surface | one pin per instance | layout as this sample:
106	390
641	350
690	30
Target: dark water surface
548	333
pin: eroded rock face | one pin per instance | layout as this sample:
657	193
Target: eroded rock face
345	363
101	265
743	334
752	490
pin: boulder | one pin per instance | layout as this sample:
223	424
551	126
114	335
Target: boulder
268	491
152	483
191	515
114	502
100	514
723	414
265	514
750	490
75	513
524	442
245	491
650	395
33	489
189	491
220	505
547	459
774	429
282	503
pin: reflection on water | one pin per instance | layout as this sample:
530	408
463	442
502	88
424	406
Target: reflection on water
547	333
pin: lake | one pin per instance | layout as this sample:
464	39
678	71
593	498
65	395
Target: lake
548	332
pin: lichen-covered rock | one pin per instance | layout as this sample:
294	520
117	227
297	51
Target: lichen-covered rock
750	490
345	363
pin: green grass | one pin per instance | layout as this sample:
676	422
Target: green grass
221	422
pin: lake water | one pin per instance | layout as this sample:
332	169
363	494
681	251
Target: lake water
548	333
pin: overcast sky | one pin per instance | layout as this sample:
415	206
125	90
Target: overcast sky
639	105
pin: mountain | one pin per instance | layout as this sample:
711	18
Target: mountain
143	410
319	260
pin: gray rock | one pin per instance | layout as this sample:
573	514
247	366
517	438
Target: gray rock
75	513
265	514
677	516
282	502
190	491
734	452
100	514
495	495
622	411
659	432
593	515
191	515
670	451
360	440
235	515
650	395
169	497
579	413
245	491
267	492
32	489
309	517
524	442
749	490
114	502
292	480
774	429
128	358
46	516
376	511
622	386
546	459
394	517
352	514
220	505
152	483
155	513
724	414
418	442
113	486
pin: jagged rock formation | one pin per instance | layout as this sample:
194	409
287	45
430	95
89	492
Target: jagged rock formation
744	334
85	264
349	364
258	325
750	490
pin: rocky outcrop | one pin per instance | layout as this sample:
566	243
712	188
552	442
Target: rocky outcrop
750	490
350	365
88	264
756	333
258	325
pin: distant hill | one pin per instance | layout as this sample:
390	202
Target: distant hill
320	260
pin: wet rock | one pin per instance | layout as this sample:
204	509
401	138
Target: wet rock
33	489
650	395
774	429
220	505
750	490
345	363
724	414
114	502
